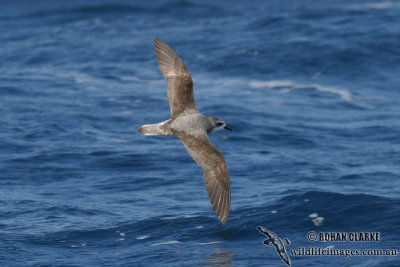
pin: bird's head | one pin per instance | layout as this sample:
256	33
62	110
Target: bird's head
217	125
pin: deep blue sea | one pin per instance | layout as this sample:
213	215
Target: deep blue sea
310	88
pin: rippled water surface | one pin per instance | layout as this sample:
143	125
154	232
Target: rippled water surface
310	88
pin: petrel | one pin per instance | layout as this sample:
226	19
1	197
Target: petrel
192	128
273	239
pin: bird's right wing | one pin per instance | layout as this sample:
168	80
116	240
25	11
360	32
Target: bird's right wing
265	231
179	81
216	176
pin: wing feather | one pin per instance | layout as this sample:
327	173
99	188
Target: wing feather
179	81
216	176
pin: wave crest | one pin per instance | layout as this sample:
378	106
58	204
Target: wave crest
344	94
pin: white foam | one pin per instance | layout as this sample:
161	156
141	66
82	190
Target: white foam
118	141
137	79
313	215
131	78
166	243
270	84
209	243
81	80
143	237
382	5
177	217
344	94
98	21
168	218
318	221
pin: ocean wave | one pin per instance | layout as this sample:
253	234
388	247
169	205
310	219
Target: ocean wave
290	85
94	10
379	5
166	243
318	208
177	8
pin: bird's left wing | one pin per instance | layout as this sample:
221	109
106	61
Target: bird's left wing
216	176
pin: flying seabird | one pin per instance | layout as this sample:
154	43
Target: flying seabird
273	239
192	128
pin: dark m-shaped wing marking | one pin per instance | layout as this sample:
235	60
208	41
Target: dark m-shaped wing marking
273	239
179	81
216	176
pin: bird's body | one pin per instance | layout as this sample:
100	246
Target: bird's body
273	239
192	127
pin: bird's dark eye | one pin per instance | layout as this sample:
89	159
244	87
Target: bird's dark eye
220	123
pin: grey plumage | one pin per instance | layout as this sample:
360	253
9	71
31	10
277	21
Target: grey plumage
179	81
192	127
273	239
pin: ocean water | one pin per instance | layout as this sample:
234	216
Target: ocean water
310	88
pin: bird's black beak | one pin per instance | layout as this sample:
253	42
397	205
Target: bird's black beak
229	129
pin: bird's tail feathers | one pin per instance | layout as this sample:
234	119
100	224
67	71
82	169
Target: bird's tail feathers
154	129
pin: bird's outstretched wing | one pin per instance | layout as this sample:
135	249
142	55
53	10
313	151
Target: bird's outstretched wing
265	231
179	81
216	176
